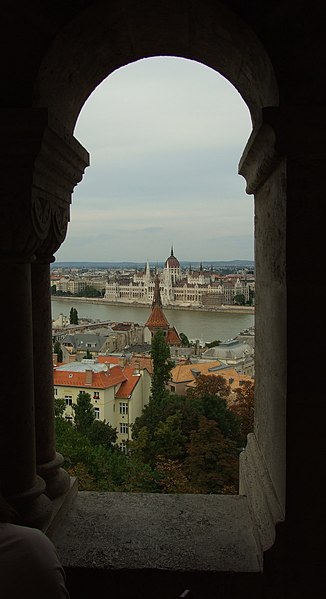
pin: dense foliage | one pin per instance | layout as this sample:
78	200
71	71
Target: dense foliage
73	316
196	437
162	366
87	446
57	350
181	444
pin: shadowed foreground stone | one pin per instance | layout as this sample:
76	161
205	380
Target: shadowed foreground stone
208	533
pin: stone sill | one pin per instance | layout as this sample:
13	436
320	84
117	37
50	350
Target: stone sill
166	533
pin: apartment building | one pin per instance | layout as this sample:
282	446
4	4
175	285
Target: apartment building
118	393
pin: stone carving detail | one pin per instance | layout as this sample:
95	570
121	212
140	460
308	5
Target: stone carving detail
37	186
59	218
41	217
259	158
60	221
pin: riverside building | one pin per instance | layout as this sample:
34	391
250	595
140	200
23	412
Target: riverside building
195	288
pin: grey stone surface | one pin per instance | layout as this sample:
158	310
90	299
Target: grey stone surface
166	532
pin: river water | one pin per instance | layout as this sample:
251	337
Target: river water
206	326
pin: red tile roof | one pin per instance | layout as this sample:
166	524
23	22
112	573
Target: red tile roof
184	373
143	362
127	387
157	319
100	380
172	337
108	360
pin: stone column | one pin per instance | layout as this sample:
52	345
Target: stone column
263	463
48	461
42	163
58	168
301	134
19	482
281	468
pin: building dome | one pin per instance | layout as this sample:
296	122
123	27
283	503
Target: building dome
172	261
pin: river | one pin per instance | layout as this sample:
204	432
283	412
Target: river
206	326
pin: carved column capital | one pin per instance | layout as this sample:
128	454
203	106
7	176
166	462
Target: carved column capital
296	133
259	158
43	163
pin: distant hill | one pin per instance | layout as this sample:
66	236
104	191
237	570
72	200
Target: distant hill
184	264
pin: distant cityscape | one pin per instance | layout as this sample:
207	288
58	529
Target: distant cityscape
205	284
111	361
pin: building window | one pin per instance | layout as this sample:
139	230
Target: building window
97	413
96	395
55	391
123	428
68	400
123	407
123	446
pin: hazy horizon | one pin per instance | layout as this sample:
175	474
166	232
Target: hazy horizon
165	136
153	264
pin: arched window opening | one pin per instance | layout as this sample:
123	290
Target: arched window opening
165	136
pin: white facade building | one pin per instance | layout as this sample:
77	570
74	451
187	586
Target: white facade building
198	288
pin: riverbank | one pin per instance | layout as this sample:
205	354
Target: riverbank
103	301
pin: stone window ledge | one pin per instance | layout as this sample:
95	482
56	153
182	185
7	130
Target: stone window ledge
174	533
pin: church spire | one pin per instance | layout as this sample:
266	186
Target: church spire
157	301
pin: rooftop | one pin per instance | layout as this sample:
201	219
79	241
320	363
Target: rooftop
84	365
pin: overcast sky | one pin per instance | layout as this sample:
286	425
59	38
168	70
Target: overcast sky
165	136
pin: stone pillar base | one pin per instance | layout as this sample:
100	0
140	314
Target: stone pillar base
32	507
256	484
61	506
57	480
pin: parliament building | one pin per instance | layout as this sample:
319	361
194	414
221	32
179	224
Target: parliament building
191	287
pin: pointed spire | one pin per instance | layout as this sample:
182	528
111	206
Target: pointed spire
201	266
172	250
157	301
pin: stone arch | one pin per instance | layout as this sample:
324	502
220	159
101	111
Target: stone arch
104	37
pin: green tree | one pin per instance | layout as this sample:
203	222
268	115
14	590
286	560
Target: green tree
88	355
172	478
215	408
214	343
210	384
239	299
251	297
102	433
184	340
169	440
153	434
162	366
90	291
59	407
100	468
73	316
212	462
212	393
243	407
84	412
57	350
